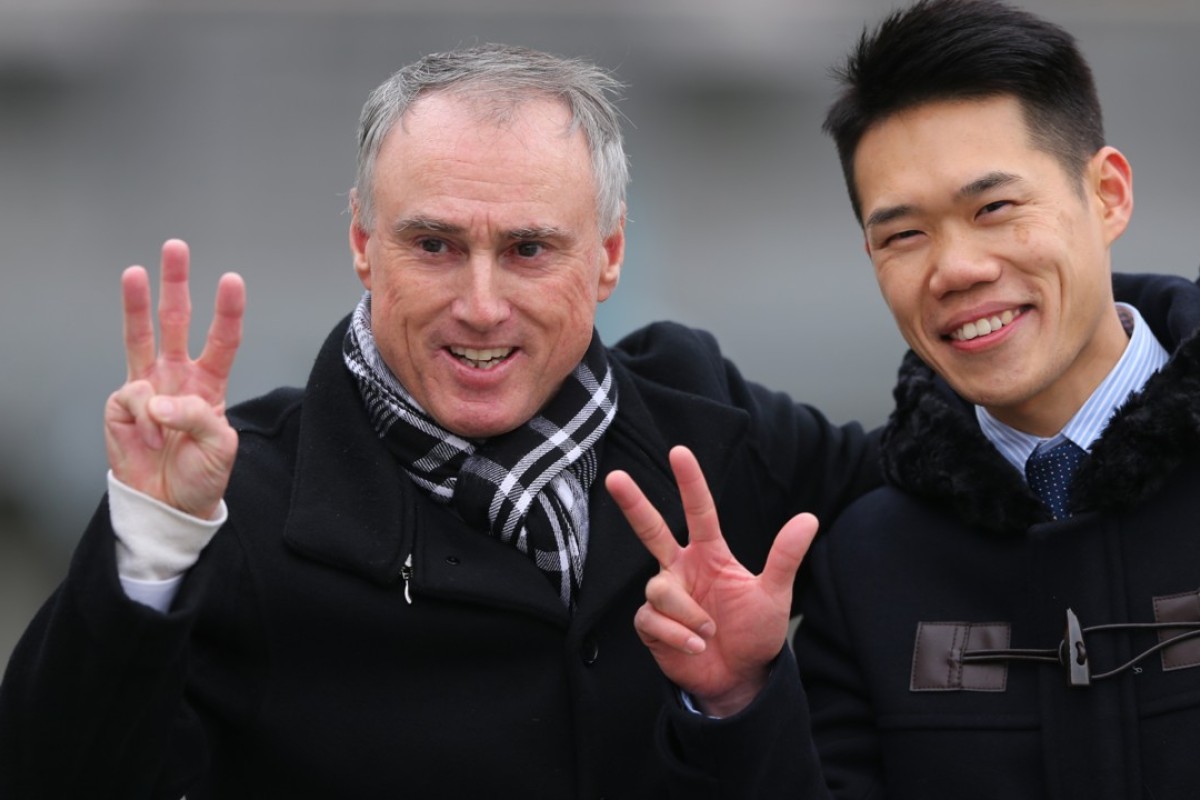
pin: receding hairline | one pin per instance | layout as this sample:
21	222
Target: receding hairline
498	114
508	76
489	107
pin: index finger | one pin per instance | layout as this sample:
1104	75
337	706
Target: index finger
643	517
139	325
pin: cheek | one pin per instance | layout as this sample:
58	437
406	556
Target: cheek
566	319
570	298
898	293
903	299
387	302
411	292
1022	235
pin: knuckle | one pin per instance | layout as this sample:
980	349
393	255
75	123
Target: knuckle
643	617
650	529
134	392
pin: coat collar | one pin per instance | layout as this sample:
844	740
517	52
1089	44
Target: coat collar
933	448
349	504
354	508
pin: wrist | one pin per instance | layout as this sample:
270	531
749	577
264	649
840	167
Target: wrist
736	698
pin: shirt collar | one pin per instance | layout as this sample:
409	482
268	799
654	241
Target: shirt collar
1143	357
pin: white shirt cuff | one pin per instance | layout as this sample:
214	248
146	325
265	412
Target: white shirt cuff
156	594
154	541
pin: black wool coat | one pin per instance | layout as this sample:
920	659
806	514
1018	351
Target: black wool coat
344	636
956	556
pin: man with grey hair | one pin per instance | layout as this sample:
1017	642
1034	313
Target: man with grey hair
418	587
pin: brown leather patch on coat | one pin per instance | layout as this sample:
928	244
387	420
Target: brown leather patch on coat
1183	607
937	657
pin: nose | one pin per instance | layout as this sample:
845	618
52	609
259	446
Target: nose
960	263
482	301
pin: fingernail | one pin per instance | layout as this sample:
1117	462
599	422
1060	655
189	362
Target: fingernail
694	645
708	629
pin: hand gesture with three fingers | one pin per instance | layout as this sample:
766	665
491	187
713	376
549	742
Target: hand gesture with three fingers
712	626
165	430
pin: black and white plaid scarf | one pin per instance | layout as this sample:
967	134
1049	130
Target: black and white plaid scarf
527	487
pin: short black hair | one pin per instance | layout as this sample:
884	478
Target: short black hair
968	50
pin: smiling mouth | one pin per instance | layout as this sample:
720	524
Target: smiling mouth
486	358
984	325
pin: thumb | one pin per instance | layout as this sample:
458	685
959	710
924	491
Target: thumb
788	551
191	415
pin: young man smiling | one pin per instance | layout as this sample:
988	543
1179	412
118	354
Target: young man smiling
1016	614
993	254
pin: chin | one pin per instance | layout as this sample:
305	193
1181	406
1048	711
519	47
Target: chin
481	428
982	395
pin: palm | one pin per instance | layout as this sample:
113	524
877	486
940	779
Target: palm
712	626
731	595
184	461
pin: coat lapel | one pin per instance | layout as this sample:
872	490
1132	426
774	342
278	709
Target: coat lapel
638	443
350	504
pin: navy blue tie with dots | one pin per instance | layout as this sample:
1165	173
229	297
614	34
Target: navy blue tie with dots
1049	472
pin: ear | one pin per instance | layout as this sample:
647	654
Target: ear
1111	180
358	242
614	256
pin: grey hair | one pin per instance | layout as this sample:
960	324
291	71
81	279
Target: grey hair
506	76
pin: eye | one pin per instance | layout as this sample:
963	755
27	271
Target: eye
529	249
993	207
435	246
900	236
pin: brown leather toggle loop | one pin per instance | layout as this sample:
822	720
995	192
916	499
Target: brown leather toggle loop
1072	654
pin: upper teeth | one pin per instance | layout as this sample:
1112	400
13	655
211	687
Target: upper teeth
984	326
482	357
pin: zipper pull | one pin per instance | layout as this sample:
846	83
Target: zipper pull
406	573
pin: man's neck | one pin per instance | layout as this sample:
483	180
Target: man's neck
1048	411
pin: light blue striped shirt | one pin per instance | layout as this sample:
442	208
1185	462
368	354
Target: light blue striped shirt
1142	358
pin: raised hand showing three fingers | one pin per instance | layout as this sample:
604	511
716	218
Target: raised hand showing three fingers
712	626
165	430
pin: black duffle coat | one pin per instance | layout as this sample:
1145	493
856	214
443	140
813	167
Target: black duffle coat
344	636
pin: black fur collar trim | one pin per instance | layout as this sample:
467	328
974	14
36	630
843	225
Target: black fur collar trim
933	447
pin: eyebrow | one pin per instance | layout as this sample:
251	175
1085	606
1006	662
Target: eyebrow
409	224
431	225
989	181
537	232
887	214
972	189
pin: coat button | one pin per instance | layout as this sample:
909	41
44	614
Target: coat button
589	651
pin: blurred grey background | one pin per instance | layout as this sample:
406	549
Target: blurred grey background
231	123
